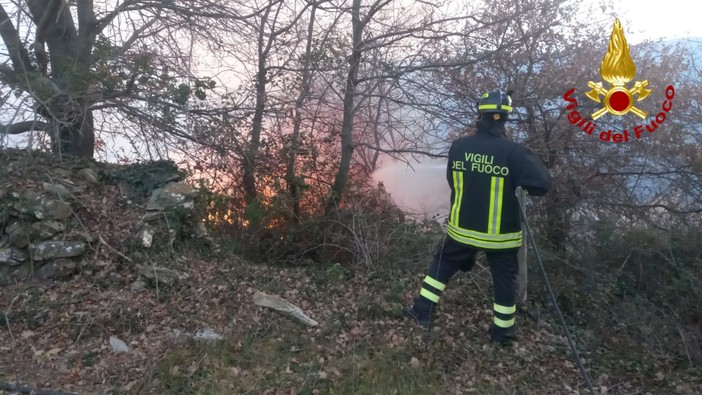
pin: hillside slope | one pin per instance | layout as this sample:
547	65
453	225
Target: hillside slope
56	334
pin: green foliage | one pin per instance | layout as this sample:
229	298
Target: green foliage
336	272
636	290
396	292
182	92
35	84
216	209
255	212
147	176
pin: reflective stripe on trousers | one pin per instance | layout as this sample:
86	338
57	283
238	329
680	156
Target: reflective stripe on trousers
432	289
504	315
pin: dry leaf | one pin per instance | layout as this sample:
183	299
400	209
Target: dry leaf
660	376
27	334
175	371
129	385
54	351
414	362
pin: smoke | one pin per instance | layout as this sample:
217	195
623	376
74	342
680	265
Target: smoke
420	190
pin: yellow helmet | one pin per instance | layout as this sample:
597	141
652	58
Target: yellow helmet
495	102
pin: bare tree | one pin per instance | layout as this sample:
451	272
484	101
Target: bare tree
81	57
418	42
306	76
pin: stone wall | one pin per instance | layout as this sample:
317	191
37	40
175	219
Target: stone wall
55	218
40	237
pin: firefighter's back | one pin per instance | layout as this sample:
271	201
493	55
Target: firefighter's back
484	211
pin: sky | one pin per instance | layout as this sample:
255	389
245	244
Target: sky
650	19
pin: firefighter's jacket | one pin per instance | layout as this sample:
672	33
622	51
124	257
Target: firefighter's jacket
484	171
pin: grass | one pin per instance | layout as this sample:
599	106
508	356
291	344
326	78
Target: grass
267	362
362	347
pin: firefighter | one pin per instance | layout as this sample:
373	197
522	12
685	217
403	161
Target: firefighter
483	172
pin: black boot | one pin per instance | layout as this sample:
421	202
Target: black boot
422	318
503	336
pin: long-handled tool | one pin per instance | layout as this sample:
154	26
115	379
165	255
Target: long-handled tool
571	342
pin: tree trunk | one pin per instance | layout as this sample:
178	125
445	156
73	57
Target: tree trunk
255	142
290	177
77	138
251	154
73	127
347	146
73	134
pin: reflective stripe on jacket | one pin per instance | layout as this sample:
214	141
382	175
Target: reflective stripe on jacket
484	171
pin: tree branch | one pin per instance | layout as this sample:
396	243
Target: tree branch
107	19
16	51
87	31
402	151
23	127
655	206
40	35
202	9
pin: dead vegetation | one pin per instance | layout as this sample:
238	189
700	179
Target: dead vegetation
56	335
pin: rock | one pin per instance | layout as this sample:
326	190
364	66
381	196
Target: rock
202	233
56	249
126	190
27	202
58	190
279	304
5	255
118	345
55	209
62	172
146	235
21	271
46	229
138	285
161	275
18	235
42	208
152	216
89	175
12	227
60	269
172	196
204	334
13	256
20	255
86	236
207	334
201	230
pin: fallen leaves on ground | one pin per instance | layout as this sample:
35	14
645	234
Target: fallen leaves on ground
60	335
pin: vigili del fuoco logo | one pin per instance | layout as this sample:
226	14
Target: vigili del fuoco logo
618	69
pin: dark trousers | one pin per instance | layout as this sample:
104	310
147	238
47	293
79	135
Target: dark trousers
453	256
